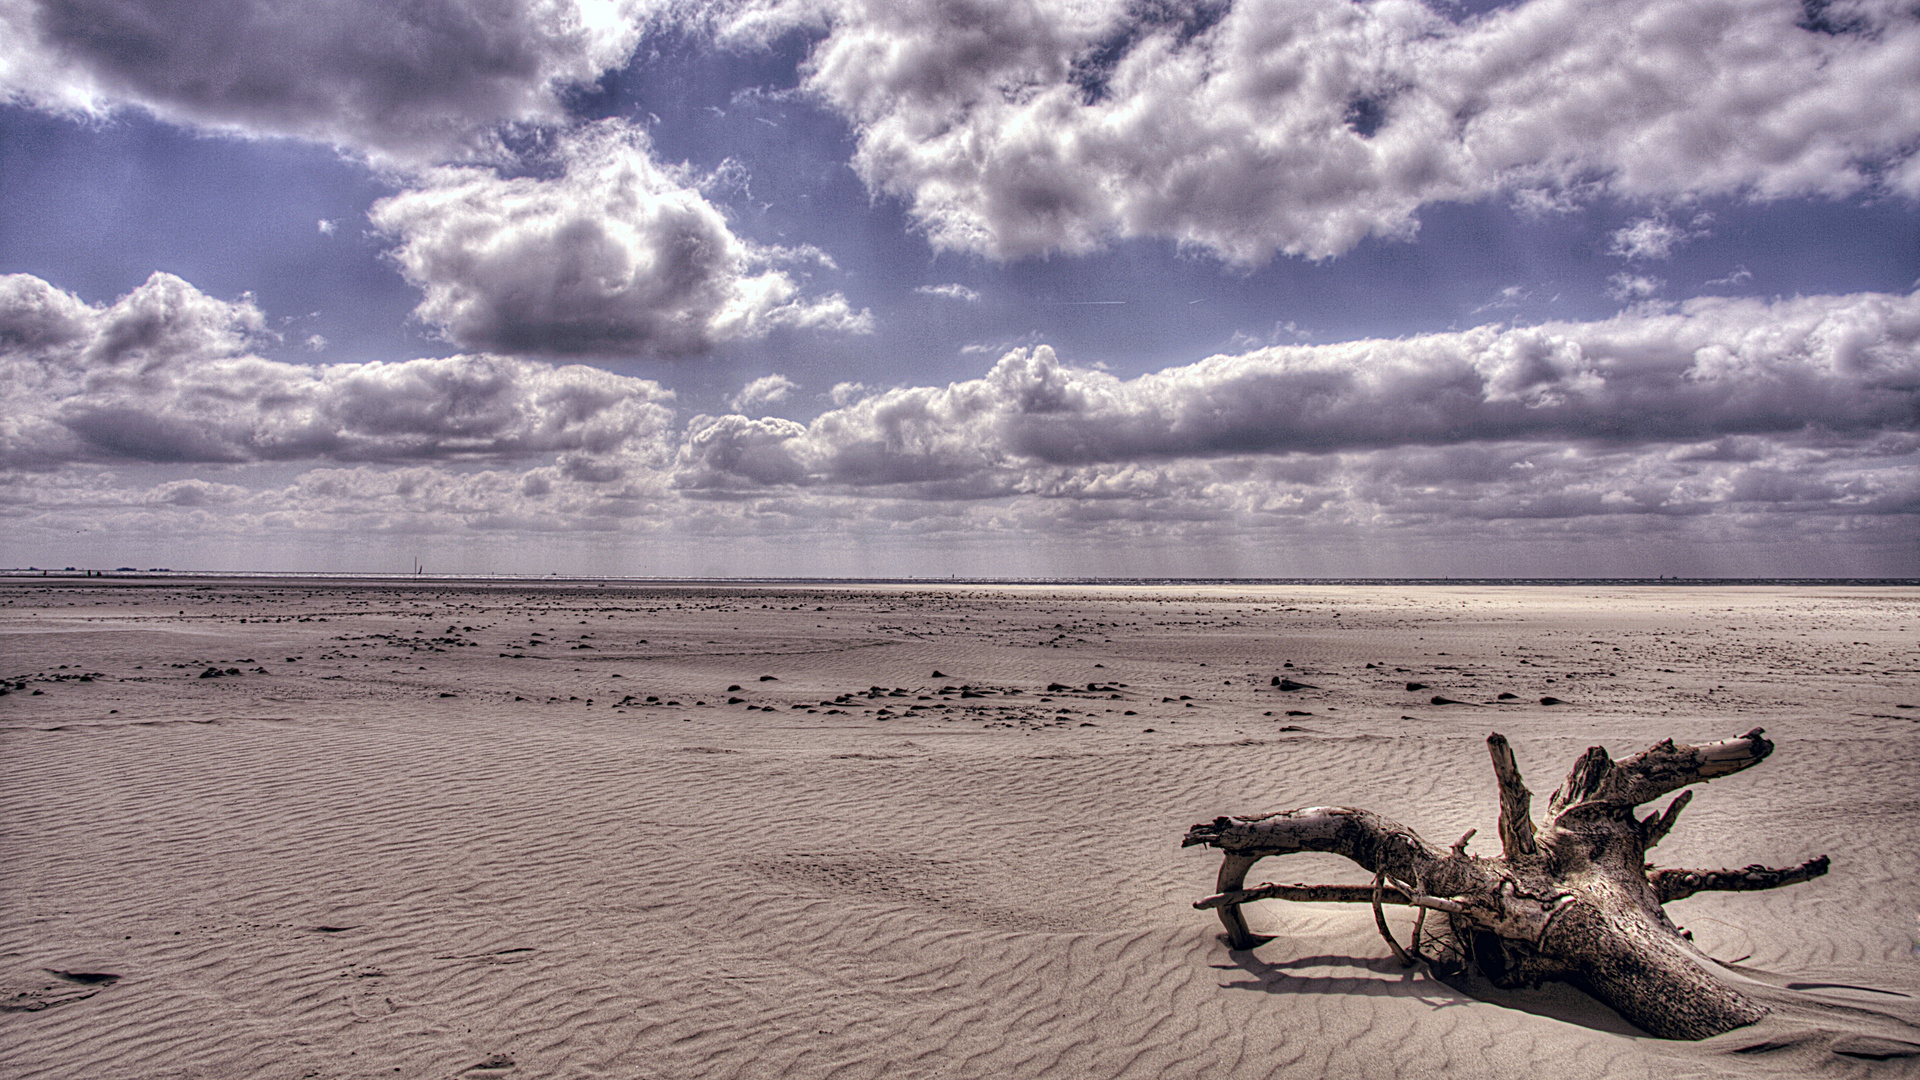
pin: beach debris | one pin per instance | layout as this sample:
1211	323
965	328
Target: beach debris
1572	899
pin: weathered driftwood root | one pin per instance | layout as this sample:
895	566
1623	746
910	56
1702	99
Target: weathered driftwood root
1572	900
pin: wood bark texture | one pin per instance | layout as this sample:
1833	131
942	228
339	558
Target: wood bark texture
1573	899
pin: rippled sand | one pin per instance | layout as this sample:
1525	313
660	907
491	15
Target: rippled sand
484	829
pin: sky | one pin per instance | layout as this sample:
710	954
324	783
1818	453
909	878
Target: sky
973	288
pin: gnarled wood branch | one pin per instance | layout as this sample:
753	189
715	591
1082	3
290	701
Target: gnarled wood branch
1670	885
1571	900
1327	894
1516	802
1598	781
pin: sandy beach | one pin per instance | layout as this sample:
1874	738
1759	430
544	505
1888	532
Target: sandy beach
296	828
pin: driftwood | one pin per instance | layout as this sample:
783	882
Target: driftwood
1573	900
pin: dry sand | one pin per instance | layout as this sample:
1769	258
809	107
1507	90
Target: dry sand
492	829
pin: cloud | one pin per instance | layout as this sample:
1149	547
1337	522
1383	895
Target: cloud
952	291
728	452
411	82
1510	296
1711	368
1722	420
1650	238
618	255
766	390
1632	288
169	374
1020	127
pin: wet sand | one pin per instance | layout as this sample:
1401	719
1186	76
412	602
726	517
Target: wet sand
351	829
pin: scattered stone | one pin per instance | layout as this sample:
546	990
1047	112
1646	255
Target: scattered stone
938	674
1551	701
769	678
1289	684
1509	697
84	978
1412	686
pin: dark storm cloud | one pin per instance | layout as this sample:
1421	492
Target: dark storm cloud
1709	369
410	81
168	374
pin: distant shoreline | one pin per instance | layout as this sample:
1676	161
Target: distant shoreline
131	576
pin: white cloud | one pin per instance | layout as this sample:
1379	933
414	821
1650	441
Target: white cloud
951	291
1510	296
1716	420
1713	367
411	82
766	390
1017	127
1646	238
845	392
617	255
1633	288
1653	237
169	374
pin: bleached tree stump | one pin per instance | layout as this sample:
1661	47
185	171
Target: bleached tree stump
1573	900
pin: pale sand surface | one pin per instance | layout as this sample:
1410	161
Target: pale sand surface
396	851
